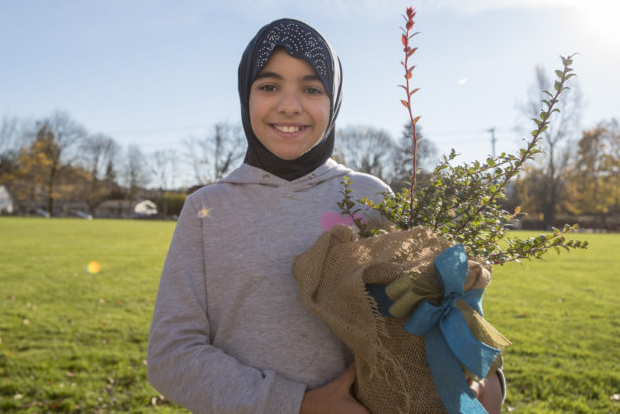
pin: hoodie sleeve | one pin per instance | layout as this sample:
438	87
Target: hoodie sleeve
182	364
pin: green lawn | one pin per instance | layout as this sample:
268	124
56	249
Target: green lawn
562	316
74	342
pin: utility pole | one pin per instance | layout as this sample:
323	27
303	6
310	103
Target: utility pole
492	131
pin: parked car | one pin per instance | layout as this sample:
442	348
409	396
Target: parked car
81	214
41	212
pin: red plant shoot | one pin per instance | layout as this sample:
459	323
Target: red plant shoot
409	51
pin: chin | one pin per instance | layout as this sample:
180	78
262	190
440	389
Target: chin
288	157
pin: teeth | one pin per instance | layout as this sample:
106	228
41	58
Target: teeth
288	129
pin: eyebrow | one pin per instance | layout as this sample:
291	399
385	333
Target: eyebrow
275	75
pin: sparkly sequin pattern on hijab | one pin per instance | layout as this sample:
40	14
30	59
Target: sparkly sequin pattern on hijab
303	42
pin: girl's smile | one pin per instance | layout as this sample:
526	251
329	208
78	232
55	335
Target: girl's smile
288	129
289	107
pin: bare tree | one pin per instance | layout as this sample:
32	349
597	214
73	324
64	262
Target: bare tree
426	158
594	182
613	128
365	149
54	139
97	153
10	144
551	168
134	173
213	156
163	166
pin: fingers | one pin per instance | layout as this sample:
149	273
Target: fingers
349	374
475	388
346	379
488	391
334	397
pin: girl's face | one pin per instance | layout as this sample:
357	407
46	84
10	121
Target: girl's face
289	107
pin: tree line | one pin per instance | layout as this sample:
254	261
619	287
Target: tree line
56	158
578	173
53	159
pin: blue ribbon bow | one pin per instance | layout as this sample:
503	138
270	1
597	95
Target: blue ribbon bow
447	339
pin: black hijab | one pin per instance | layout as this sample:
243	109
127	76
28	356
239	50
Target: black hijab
303	42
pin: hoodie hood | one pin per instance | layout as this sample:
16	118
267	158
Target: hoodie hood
247	174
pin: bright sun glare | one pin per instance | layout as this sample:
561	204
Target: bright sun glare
600	21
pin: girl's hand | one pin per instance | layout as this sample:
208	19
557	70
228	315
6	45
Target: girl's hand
334	397
489	393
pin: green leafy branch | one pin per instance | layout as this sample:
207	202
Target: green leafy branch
346	208
462	202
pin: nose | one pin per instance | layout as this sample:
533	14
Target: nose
289	104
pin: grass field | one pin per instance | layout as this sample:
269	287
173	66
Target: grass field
75	342
563	318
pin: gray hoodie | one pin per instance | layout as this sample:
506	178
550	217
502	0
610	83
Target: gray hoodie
229	333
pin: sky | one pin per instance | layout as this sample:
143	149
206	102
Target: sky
153	73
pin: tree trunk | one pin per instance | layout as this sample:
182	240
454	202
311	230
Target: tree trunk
50	191
603	221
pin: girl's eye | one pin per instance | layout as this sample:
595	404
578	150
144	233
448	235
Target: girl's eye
313	91
267	88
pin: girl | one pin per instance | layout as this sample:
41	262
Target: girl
229	334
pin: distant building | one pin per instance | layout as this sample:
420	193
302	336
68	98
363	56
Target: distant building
6	201
114	209
145	208
126	209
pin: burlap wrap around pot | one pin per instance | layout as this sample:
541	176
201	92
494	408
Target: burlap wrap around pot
393	375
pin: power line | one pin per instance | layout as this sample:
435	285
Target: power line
464	132
155	130
477	131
